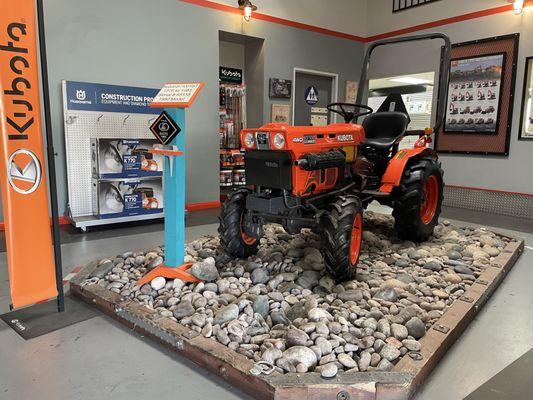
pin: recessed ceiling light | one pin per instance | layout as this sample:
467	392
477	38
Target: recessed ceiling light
411	80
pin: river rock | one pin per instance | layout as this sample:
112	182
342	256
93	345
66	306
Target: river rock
296	337
226	314
399	331
329	370
387	294
259	275
184	309
158	283
301	354
205	270
351	295
415	328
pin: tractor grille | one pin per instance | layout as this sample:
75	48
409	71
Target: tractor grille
271	169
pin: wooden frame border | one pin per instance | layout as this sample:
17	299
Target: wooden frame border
401	383
512	89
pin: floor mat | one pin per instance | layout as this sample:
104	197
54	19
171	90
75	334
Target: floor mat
43	318
511	383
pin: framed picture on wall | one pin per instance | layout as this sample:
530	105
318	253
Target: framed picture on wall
280	88
474	93
526	117
280	113
351	91
480	99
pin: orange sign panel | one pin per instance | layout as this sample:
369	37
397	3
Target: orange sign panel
22	173
179	94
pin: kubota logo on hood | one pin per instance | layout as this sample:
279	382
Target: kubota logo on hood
24	171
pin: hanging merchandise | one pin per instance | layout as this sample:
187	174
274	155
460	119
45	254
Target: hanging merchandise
232	121
232	115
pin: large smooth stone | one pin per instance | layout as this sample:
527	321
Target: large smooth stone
301	355
226	314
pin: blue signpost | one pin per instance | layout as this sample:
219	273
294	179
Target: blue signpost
174	184
170	129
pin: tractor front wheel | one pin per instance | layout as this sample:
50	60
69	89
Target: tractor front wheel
342	237
418	200
233	240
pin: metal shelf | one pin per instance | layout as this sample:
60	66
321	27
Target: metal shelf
90	220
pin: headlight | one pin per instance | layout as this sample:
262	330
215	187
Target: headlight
279	141
249	140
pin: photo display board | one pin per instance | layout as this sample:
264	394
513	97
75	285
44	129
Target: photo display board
480	97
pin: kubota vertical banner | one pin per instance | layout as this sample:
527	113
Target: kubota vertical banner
22	172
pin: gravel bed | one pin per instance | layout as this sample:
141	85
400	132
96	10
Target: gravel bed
281	306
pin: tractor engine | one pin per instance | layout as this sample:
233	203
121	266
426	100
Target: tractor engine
302	161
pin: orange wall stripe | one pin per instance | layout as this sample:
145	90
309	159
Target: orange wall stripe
203	206
329	32
275	20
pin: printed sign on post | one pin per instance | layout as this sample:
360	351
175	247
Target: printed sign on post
164	128
177	95
30	255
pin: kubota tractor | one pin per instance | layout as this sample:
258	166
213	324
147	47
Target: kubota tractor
322	178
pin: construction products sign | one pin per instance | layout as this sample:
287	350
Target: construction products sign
22	172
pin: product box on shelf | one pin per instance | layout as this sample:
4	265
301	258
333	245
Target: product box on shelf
124	158
113	198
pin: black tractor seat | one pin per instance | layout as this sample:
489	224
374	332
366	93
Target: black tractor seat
385	129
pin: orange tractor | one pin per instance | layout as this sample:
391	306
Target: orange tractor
324	177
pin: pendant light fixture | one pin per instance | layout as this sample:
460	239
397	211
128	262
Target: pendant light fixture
518	6
247	9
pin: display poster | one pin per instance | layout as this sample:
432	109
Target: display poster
86	96
30	255
474	94
281	113
280	88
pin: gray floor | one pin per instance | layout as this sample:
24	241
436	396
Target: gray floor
100	359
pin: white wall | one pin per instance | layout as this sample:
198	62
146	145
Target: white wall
513	173
347	16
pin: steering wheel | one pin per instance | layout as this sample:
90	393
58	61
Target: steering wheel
349	116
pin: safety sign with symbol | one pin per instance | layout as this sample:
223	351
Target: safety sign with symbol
311	95
164	128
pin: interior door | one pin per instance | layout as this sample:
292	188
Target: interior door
312	93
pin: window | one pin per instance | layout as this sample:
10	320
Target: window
401	5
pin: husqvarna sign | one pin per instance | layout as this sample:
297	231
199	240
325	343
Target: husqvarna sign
30	255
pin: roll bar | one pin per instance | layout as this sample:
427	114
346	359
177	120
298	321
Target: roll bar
444	70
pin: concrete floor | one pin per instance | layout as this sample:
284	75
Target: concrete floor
100	359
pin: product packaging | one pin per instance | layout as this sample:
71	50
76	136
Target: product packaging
124	158
113	198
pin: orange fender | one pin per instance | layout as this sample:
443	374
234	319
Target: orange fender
394	172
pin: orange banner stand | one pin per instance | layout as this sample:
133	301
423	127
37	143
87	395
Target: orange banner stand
30	253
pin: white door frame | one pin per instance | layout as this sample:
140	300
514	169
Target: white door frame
334	87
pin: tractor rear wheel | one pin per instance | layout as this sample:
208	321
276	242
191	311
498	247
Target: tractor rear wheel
233	240
342	237
418	200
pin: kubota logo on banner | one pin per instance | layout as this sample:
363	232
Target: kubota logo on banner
24	192
24	171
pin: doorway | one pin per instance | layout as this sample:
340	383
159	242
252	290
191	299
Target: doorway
313	91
